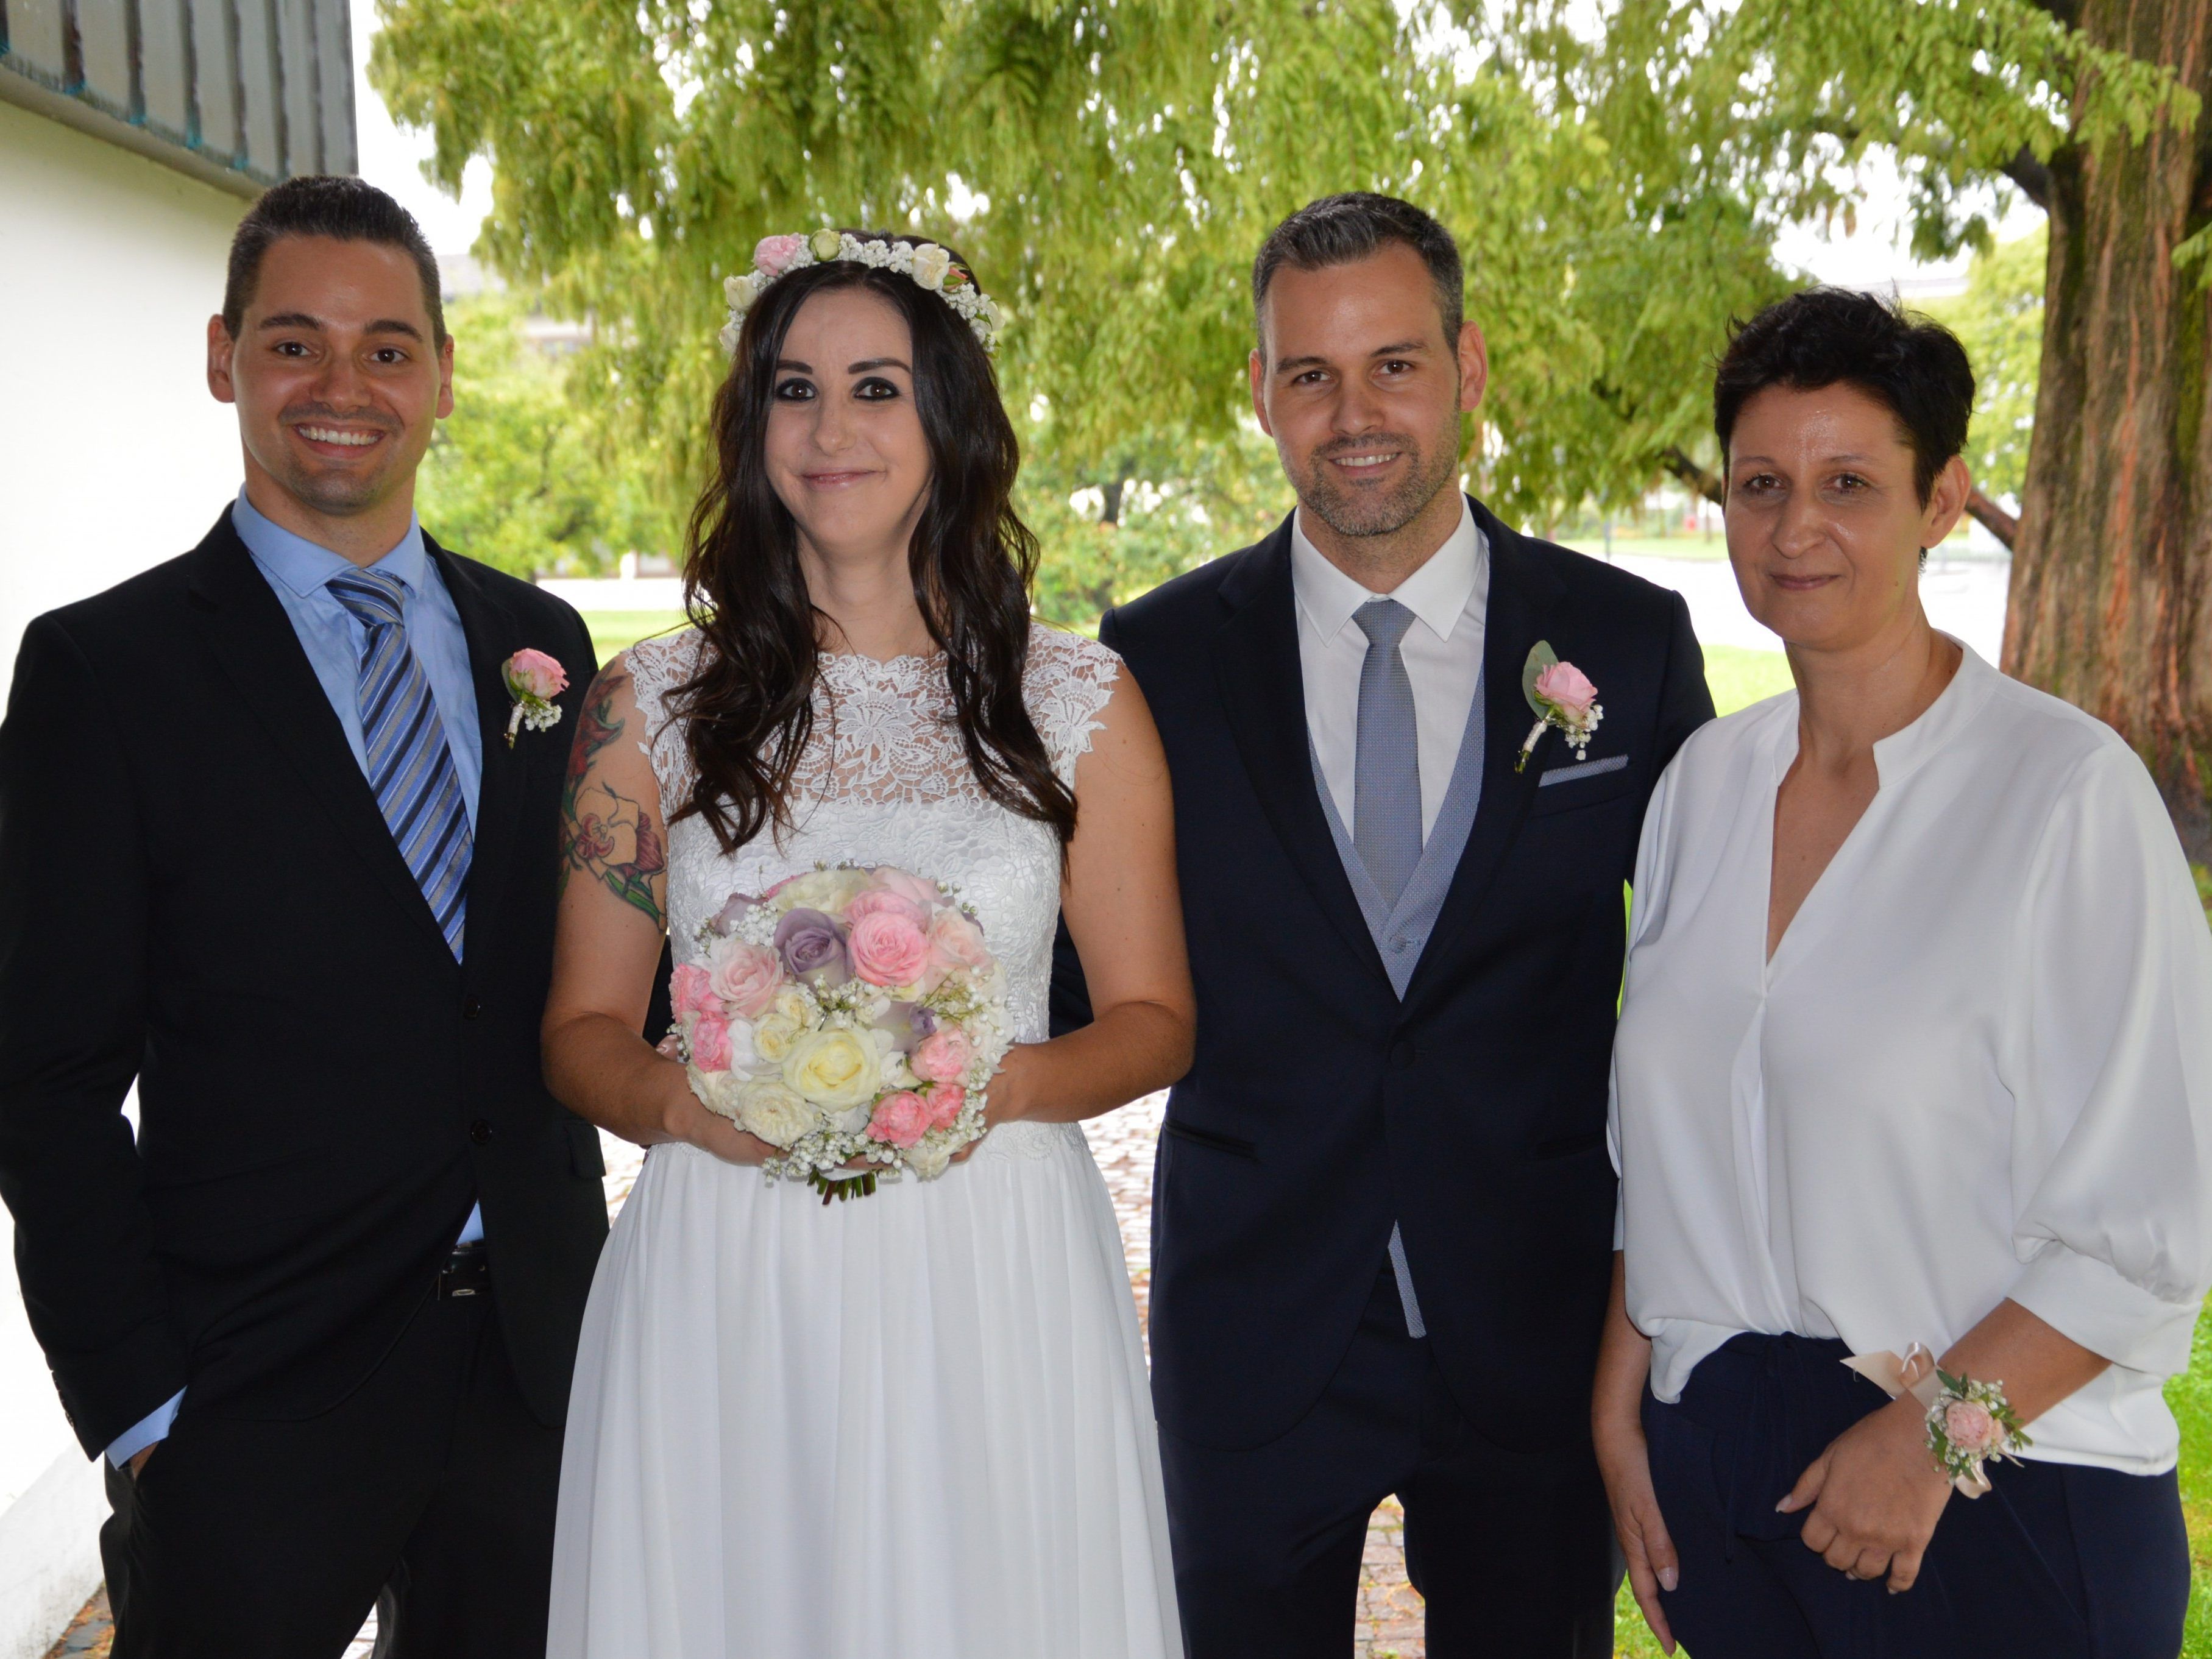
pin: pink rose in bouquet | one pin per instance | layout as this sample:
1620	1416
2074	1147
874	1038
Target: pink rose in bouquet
745	976
881	901
900	1119
956	944
888	948
943	1056
945	1100
690	991
922	895
710	1043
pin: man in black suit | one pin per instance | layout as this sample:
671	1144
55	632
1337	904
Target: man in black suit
1383	1220
320	1317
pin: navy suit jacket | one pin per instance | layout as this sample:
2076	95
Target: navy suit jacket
1319	1108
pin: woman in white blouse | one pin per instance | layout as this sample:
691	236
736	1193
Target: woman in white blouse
1916	1047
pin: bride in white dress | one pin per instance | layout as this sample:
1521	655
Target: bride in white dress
913	1426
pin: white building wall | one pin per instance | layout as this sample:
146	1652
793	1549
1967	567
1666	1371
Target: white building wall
113	457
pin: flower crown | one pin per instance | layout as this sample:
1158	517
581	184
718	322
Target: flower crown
930	266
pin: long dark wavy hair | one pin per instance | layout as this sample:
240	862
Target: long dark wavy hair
748	711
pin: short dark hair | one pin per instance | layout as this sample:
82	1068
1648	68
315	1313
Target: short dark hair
1338	229
1826	336
325	204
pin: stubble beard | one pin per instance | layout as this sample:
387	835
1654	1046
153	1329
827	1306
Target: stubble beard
1359	516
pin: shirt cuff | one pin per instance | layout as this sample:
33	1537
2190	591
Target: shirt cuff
148	1428
2086	1300
473	1229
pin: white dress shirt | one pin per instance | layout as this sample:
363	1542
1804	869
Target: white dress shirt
1979	1066
1443	650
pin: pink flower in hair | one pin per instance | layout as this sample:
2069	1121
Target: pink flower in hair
772	255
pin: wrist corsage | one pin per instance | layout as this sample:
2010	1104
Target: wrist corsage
1968	1422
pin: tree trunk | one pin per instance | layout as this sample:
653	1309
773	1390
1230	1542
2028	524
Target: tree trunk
2109	577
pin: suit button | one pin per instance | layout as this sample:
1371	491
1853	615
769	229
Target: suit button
480	1132
471	1007
1401	1056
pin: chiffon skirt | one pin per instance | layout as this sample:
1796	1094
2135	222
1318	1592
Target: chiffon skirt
909	1426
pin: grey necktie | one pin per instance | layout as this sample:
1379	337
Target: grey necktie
1386	786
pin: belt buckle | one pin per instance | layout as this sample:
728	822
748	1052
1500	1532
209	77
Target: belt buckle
467	1272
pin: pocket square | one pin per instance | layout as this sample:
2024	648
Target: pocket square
1581	770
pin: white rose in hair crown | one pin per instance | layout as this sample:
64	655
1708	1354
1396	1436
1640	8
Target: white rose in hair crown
851	1012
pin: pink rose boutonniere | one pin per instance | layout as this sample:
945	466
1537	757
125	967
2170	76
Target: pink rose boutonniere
533	680
1562	695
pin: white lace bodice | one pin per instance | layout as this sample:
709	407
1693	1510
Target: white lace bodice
884	781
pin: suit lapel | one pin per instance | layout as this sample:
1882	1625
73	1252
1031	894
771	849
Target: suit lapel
253	640
492	630
1522	594
1263	693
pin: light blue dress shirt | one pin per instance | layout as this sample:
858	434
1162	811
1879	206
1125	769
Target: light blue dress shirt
297	571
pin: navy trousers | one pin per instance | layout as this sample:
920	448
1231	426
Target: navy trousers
1511	1552
2058	1561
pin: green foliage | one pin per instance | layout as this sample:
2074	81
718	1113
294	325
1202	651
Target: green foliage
1615	173
517	476
1999	320
1221	492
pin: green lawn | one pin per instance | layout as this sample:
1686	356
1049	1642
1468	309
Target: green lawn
618	630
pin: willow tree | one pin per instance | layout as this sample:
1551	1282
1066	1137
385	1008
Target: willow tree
1616	174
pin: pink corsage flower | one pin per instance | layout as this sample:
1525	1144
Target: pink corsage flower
1561	695
533	680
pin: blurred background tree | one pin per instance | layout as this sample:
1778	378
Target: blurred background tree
1999	320
520	474
1616	170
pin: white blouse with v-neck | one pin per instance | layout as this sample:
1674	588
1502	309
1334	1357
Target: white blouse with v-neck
1978	1065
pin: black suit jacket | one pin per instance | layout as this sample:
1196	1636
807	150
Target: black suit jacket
198	892
1321	1108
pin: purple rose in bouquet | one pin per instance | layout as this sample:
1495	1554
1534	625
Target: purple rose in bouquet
812	948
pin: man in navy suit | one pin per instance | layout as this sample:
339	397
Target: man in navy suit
1383	1207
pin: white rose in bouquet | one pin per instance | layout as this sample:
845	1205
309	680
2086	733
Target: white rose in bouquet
770	1111
836	1069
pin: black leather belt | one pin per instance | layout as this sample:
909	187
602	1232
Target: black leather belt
467	1272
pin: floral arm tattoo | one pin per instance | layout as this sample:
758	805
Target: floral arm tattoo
606	834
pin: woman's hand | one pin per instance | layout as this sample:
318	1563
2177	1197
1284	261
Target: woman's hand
684	1118
1875	1495
1625	1461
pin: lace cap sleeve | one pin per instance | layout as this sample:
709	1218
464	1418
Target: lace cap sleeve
1067	685
657	667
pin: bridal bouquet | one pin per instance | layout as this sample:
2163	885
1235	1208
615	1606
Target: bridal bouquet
849	1013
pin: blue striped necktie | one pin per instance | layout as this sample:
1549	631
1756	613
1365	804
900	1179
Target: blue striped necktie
410	768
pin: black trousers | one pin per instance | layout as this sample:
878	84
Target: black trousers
271	1539
2056	1561
1512	1552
